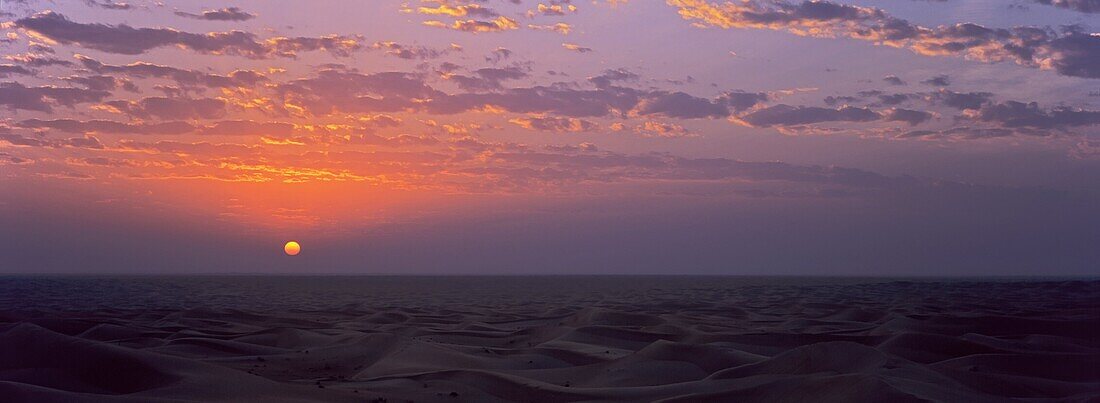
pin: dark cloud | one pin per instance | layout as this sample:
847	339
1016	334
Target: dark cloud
543	99
685	106
498	55
1084	6
681	105
124	39
9	69
1014	114
172	108
17	96
832	100
965	132
939	81
786	115
88	141
909	116
106	126
893	80
17	140
608	77
893	99
335	90
103	83
1072	53
37	60
8	159
487	79
960	100
185	78
1077	54
740	101
224	14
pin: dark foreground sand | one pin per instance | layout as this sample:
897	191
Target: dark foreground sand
547	339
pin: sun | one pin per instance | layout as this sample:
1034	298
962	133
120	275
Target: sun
292	248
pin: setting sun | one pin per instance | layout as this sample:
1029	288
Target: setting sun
292	248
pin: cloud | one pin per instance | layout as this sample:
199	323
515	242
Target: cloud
223	14
463	10
1077	54
651	128
960	100
172	108
1012	114
1072	53
561	28
576	48
498	55
202	148
9	159
37	60
103	83
610	76
909	116
248	128
740	100
408	52
88	141
335	90
487	79
106	126
786	115
542	99
401	140
964	132
893	80
185	78
553	124
553	10
893	99
124	39
109	5
498	24
681	105
16	96
939	81
1084	6
7	70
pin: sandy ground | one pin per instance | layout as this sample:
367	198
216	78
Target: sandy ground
892	341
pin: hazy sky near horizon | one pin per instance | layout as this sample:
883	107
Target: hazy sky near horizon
555	136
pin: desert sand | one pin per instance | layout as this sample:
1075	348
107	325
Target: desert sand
547	339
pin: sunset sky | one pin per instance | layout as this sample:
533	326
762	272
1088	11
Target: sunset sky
517	136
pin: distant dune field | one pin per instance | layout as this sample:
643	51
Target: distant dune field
529	339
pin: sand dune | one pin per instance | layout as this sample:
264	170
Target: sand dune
650	340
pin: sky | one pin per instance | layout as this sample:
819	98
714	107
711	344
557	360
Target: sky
755	137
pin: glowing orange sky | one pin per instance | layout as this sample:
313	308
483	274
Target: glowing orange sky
343	120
